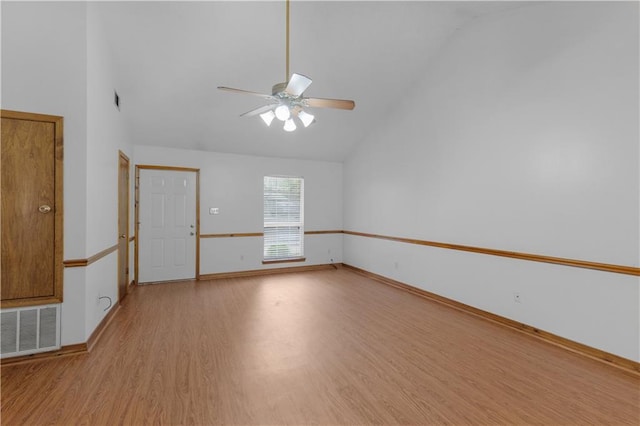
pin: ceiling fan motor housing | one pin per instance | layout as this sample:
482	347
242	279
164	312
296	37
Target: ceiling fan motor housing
294	103
278	88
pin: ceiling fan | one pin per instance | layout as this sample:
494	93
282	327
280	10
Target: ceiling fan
287	100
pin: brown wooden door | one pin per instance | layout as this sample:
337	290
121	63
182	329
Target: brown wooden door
31	148
123	225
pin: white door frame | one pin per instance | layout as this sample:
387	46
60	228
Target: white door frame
137	212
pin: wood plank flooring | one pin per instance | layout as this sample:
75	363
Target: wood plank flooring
327	347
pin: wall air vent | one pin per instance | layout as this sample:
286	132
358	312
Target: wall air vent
29	330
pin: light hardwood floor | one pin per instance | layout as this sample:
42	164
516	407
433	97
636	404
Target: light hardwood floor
326	347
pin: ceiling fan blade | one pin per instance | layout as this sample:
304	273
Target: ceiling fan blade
246	92
297	85
330	103
259	110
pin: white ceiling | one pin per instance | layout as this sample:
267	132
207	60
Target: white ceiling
170	57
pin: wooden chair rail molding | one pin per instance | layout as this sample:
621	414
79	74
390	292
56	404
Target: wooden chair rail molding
260	234
618	269
79	263
76	263
627	365
237	234
323	232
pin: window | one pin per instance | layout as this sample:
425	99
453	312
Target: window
283	218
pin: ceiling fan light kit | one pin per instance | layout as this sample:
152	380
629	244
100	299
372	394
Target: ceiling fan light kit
289	125
268	117
306	118
287	100
283	113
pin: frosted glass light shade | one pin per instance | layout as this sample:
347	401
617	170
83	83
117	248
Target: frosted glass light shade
283	113
306	118
289	125
268	117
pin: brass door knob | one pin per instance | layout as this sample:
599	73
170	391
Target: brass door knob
44	208
123	236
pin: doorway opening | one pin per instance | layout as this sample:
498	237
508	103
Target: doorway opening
123	225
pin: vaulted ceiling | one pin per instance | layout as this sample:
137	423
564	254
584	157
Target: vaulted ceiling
169	57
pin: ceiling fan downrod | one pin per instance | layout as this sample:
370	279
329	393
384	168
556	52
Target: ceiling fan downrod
286	79
287	100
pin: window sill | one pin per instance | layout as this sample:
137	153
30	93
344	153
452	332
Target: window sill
292	259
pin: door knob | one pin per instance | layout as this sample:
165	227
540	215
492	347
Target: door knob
123	236
44	208
192	233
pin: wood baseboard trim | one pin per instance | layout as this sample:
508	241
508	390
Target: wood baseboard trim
271	271
76	349
295	259
619	362
97	333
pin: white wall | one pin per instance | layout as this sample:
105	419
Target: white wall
522	135
44	71
106	135
234	184
44	56
55	61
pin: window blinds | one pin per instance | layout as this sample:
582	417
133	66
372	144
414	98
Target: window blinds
283	217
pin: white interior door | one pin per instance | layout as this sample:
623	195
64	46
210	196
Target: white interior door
167	229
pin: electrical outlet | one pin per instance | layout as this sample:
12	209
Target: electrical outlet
517	298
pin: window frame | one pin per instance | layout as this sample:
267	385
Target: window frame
283	223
